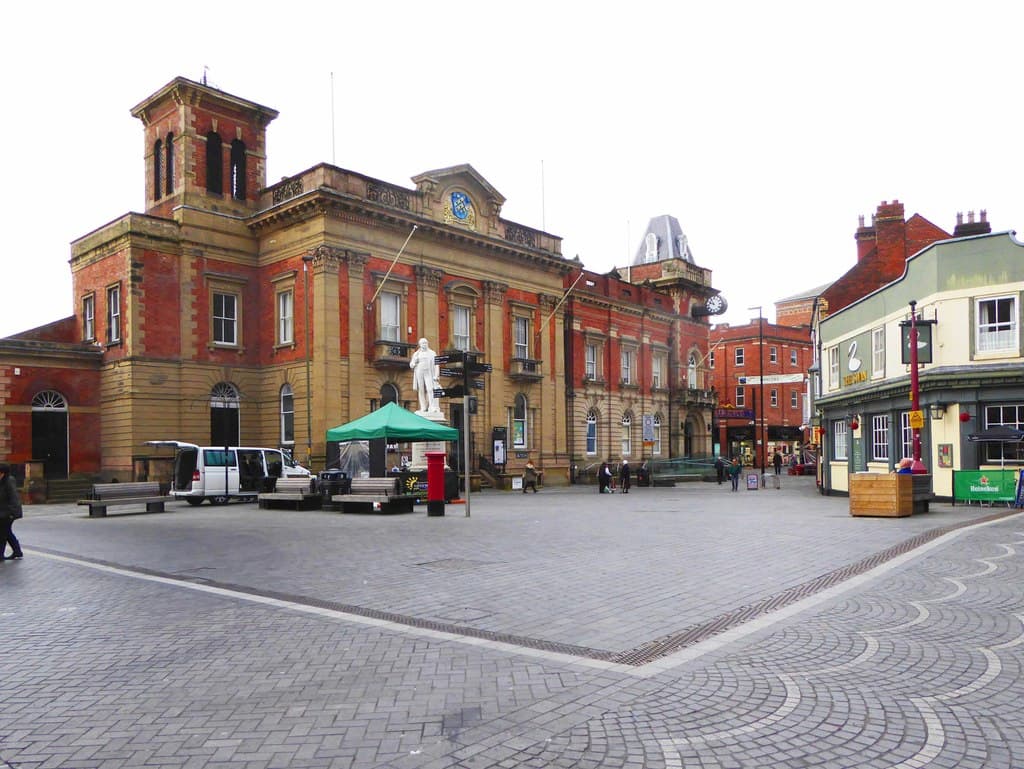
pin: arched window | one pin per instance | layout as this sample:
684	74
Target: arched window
238	169
627	434
691	372
169	165
519	427
214	164
49	400
158	158
388	394
591	432
287	415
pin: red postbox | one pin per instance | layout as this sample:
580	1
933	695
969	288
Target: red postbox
435	483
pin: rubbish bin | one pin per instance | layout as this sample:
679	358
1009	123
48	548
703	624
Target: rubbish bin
333	482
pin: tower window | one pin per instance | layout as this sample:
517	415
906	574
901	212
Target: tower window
158	158
214	164
238	169
169	165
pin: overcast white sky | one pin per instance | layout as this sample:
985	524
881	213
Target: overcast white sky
764	128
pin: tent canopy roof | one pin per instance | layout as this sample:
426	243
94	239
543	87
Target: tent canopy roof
393	423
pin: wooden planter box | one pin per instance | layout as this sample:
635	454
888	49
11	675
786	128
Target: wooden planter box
889	495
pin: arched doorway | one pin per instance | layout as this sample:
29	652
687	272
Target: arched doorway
50	433
690	433
224	405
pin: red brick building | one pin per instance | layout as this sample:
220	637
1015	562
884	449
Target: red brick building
232	312
760	373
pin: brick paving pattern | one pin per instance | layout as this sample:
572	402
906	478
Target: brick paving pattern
237	637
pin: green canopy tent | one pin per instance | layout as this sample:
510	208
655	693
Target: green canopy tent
393	423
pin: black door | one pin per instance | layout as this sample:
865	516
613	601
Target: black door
223	426
50	442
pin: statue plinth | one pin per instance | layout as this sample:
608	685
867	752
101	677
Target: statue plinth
420	448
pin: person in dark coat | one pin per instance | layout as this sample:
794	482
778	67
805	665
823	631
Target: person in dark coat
734	473
719	469
10	511
777	462
604	475
624	476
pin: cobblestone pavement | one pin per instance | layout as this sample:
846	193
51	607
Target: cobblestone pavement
677	628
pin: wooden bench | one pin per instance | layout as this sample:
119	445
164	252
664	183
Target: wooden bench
375	495
105	495
297	492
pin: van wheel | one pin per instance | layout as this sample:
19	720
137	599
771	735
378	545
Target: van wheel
194	501
219	500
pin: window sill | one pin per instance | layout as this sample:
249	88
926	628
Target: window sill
225	347
1009	352
284	346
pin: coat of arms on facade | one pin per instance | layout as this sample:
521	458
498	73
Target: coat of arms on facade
459	210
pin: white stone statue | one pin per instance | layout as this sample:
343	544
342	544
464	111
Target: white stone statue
424	377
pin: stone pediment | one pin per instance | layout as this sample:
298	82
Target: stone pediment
460	197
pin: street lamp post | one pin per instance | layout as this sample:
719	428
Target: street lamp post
760	381
917	466
306	260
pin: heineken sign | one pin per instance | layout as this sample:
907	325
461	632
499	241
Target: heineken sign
985	485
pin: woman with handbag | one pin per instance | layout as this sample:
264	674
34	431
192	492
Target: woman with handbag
10	510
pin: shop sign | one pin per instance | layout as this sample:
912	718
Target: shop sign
734	413
985	485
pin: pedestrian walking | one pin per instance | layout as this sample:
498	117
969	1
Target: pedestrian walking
530	475
734	473
777	462
10	511
604	477
624	476
720	469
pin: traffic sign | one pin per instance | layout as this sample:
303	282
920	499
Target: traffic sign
916	419
479	368
451	372
477	384
451	357
450	392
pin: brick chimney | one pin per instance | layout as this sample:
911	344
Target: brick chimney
865	237
891	239
971	227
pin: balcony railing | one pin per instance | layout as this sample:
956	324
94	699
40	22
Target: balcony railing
388	354
525	369
697	398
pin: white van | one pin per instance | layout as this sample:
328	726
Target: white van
218	473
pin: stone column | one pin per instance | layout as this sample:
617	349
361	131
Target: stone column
428	281
325	324
495	323
353	354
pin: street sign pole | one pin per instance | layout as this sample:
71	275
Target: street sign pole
465	445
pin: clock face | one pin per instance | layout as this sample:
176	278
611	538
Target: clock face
715	305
